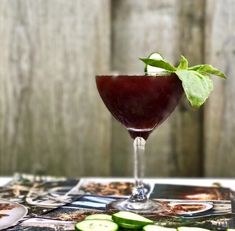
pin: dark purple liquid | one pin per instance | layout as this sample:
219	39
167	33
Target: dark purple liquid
140	103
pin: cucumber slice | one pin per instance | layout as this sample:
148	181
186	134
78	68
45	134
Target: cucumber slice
130	220
127	226
191	229
150	70
99	216
157	228
96	225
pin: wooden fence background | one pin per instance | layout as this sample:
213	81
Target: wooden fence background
51	117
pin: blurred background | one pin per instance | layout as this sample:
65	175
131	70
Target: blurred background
52	120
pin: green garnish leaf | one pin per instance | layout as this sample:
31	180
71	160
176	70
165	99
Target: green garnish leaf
159	63
183	63
197	87
208	69
196	80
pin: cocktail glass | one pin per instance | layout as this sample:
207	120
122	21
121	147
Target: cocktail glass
140	103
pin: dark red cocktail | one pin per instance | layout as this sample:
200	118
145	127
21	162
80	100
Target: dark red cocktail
140	102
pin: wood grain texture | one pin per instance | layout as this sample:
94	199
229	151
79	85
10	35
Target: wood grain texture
140	27
219	123
187	128
51	117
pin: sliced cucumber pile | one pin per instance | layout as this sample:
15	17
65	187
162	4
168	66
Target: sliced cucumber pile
130	220
127	220
96	225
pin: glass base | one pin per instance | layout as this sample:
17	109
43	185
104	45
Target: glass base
148	206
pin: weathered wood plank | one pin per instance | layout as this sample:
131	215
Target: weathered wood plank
187	128
51	117
219	125
140	27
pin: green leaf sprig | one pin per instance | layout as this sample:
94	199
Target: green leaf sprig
196	80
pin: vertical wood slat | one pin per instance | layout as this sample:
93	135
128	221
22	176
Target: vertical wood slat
219	123
187	151
51	117
140	27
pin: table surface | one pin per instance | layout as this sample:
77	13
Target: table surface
224	182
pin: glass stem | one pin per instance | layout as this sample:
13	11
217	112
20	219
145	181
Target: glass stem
138	192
